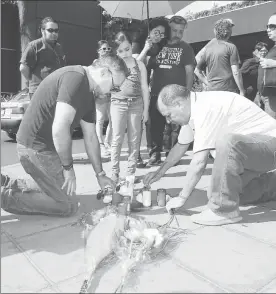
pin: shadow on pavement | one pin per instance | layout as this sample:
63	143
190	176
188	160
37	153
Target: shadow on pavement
258	214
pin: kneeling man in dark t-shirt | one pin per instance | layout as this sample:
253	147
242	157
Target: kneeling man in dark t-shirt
61	102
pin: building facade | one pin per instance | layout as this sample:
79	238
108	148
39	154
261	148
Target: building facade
80	30
250	28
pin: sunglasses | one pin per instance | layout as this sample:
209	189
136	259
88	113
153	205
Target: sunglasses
106	49
272	27
178	20
52	30
158	34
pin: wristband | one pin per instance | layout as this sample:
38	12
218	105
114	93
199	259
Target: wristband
68	167
101	174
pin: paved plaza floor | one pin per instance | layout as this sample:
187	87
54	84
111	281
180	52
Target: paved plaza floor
46	254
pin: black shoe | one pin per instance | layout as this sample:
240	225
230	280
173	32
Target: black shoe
155	159
140	163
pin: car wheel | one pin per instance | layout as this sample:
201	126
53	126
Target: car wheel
12	135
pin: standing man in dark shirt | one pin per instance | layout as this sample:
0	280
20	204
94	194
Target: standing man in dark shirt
221	59
249	70
173	65
42	56
44	141
268	94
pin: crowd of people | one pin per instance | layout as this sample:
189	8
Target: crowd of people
150	86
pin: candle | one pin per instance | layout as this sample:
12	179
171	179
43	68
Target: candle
147	198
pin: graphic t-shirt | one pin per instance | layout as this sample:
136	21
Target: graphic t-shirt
69	85
169	65
214	114
218	56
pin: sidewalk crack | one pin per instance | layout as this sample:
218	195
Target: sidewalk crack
201	276
32	263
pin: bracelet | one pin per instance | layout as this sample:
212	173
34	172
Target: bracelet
68	167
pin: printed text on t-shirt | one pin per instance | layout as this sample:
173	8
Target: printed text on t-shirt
169	56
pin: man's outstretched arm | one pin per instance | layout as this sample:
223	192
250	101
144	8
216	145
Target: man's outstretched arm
194	174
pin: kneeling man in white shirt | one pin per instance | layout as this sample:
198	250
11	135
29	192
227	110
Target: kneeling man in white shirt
239	135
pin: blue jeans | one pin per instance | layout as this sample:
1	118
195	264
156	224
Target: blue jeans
126	113
44	196
240	172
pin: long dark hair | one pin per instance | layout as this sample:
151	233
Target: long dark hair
141	40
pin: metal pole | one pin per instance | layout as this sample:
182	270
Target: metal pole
148	15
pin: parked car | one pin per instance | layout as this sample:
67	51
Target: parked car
12	112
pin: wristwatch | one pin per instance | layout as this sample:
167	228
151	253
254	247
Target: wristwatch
101	174
68	167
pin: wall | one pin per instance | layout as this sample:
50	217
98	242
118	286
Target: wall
10	49
247	20
80	27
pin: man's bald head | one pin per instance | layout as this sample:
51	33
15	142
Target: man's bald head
172	94
174	103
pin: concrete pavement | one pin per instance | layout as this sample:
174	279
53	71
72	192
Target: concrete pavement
45	255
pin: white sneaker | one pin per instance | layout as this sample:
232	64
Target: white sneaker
209	218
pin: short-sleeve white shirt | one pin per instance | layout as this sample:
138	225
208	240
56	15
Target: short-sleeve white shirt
216	113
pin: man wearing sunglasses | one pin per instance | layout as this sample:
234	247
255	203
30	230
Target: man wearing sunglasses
173	65
268	95
42	56
62	101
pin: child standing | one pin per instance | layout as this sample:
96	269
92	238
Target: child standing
129	106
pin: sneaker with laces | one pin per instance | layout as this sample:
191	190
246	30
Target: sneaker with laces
210	218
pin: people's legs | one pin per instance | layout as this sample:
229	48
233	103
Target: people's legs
24	197
270	105
140	162
108	135
167	144
118	112
234	155
135	114
156	128
174	134
148	134
101	114
261	188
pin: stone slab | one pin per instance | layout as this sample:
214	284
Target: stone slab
270	288
17	274
23	225
59	253
160	276
258	222
232	261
